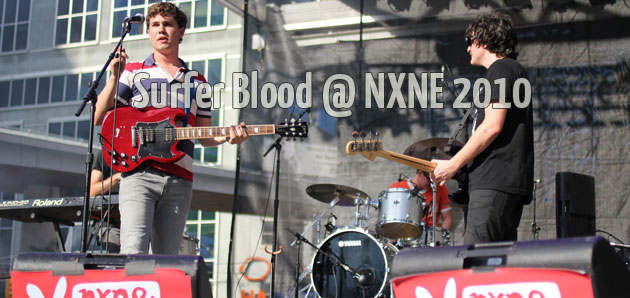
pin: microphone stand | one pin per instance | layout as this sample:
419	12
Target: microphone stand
299	275
276	202
335	259
91	97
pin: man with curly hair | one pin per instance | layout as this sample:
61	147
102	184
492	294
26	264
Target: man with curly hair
500	152
155	197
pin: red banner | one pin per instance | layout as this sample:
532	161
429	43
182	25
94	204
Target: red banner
165	282
499	283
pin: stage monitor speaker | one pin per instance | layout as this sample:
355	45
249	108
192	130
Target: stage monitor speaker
568	267
87	275
575	205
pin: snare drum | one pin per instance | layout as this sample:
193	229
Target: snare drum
362	253
399	214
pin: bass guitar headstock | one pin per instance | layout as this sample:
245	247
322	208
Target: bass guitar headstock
367	148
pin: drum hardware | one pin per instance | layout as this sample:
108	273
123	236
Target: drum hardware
316	222
361	221
433	211
535	227
331	225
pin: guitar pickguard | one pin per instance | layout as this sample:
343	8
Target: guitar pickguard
156	139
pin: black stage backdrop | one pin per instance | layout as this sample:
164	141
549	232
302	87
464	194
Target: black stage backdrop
576	55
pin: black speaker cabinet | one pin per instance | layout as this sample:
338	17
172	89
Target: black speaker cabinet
575	205
86	275
568	267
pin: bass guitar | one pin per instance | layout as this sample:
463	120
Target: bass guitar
138	136
371	149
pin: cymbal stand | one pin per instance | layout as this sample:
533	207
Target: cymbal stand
318	219
433	212
535	227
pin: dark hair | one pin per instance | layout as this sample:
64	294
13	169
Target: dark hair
496	32
166	9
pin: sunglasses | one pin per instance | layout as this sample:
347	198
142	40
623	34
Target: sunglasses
469	41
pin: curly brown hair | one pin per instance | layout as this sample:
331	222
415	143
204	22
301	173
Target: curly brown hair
495	32
165	9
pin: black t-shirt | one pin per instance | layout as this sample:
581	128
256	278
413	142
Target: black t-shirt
99	165
508	163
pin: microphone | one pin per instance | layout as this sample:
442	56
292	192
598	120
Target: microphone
138	18
365	277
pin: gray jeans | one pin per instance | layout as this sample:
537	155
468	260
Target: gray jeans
153	207
492	216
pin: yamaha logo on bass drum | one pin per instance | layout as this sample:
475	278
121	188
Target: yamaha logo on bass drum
349	243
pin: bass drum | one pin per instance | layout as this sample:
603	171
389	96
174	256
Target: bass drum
363	254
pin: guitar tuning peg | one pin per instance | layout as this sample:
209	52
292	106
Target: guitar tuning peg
292	120
286	121
363	134
355	134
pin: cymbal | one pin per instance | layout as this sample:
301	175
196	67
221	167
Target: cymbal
328	192
430	149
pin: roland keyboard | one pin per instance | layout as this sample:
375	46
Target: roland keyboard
65	210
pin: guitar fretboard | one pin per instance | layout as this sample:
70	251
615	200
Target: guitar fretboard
190	133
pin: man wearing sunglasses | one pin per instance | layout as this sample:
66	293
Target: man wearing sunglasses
500	152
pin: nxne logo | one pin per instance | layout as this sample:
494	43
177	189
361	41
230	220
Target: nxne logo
499	290
131	289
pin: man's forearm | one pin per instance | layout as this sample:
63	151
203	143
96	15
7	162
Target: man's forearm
105	100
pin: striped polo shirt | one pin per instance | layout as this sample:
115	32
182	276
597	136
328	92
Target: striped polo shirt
128	93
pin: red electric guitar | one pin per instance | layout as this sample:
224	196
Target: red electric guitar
142	135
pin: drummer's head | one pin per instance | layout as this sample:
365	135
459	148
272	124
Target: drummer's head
421	180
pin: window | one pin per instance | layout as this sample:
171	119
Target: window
17	92
73	129
14	17
202	225
208	154
77	21
5	87
46	89
202	14
212	70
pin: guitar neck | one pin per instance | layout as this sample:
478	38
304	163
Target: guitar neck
205	132
413	162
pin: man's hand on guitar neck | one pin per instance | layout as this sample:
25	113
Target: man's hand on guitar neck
237	134
444	171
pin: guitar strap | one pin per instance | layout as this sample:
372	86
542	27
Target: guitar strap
449	145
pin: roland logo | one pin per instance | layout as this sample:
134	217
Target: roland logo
47	203
349	243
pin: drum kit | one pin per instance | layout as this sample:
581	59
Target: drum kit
354	261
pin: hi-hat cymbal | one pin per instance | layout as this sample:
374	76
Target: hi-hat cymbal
430	149
328	192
